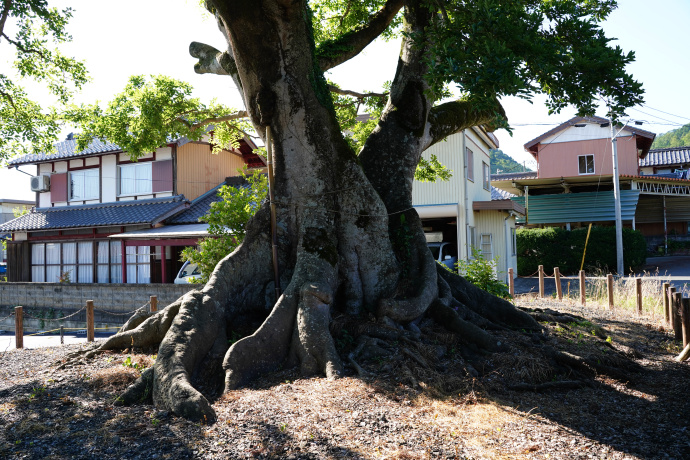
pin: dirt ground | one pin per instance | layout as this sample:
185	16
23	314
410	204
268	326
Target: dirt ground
633	403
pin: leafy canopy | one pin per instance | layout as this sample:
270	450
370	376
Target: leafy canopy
151	112
227	221
32	31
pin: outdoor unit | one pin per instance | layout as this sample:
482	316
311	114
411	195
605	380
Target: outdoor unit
40	183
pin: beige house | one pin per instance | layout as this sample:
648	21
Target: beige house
461	211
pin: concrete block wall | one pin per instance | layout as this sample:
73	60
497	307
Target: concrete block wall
41	298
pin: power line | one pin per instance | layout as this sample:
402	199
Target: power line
667	113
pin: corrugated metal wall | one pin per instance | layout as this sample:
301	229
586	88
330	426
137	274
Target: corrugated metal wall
199	171
578	207
450	154
493	222
651	209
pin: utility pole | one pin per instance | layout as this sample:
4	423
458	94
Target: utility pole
617	200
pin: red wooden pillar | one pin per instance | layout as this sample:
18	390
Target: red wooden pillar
163	277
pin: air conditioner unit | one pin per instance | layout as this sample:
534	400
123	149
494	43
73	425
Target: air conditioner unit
40	183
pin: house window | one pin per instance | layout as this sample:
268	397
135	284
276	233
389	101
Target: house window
586	164
135	179
62	262
486	175
83	185
469	159
138	264
486	246
109	262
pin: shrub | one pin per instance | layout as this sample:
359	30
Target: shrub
482	273
555	247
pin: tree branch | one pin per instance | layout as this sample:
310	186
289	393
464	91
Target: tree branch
5	14
347	92
9	99
211	60
454	116
212	120
23	49
334	52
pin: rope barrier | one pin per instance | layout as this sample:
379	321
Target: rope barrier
125	313
6	317
26	315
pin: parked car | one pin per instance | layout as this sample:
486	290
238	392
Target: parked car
445	253
187	272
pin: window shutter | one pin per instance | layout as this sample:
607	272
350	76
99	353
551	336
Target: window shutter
162	172
58	187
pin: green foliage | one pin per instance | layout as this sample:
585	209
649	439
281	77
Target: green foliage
555	247
227	221
32	31
151	111
20	211
482	273
677	138
504	163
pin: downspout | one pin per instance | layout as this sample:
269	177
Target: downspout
663	197
509	241
526	204
466	198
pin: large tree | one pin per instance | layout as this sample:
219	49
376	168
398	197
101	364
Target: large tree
349	244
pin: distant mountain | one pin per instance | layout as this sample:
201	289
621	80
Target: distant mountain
677	138
504	163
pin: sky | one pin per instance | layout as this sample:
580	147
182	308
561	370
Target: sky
119	39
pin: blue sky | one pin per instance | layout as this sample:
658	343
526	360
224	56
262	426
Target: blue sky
119	39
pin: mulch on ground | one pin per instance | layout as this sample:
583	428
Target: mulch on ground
455	407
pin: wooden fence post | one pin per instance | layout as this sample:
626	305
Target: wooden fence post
559	288
675	313
19	327
511	282
685	319
583	292
541	281
638	289
89	321
609	284
153	304
665	295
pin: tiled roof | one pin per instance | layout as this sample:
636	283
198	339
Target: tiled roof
98	215
663	157
68	149
202	204
514	176
497	194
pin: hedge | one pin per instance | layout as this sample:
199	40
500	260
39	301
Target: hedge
555	247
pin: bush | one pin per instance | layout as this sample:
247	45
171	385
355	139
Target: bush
482	273
555	247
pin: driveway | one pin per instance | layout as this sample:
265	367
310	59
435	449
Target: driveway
674	269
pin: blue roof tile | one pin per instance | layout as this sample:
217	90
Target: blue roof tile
667	157
149	211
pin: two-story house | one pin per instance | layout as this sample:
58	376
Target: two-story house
99	217
461	210
573	184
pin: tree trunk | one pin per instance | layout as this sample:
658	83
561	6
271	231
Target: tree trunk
349	240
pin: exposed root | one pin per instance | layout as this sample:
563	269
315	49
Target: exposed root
493	308
266	348
139	316
467	331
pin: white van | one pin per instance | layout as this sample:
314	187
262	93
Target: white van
187	272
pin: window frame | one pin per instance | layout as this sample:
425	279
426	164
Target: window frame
486	176
136	167
469	162
70	191
586	164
